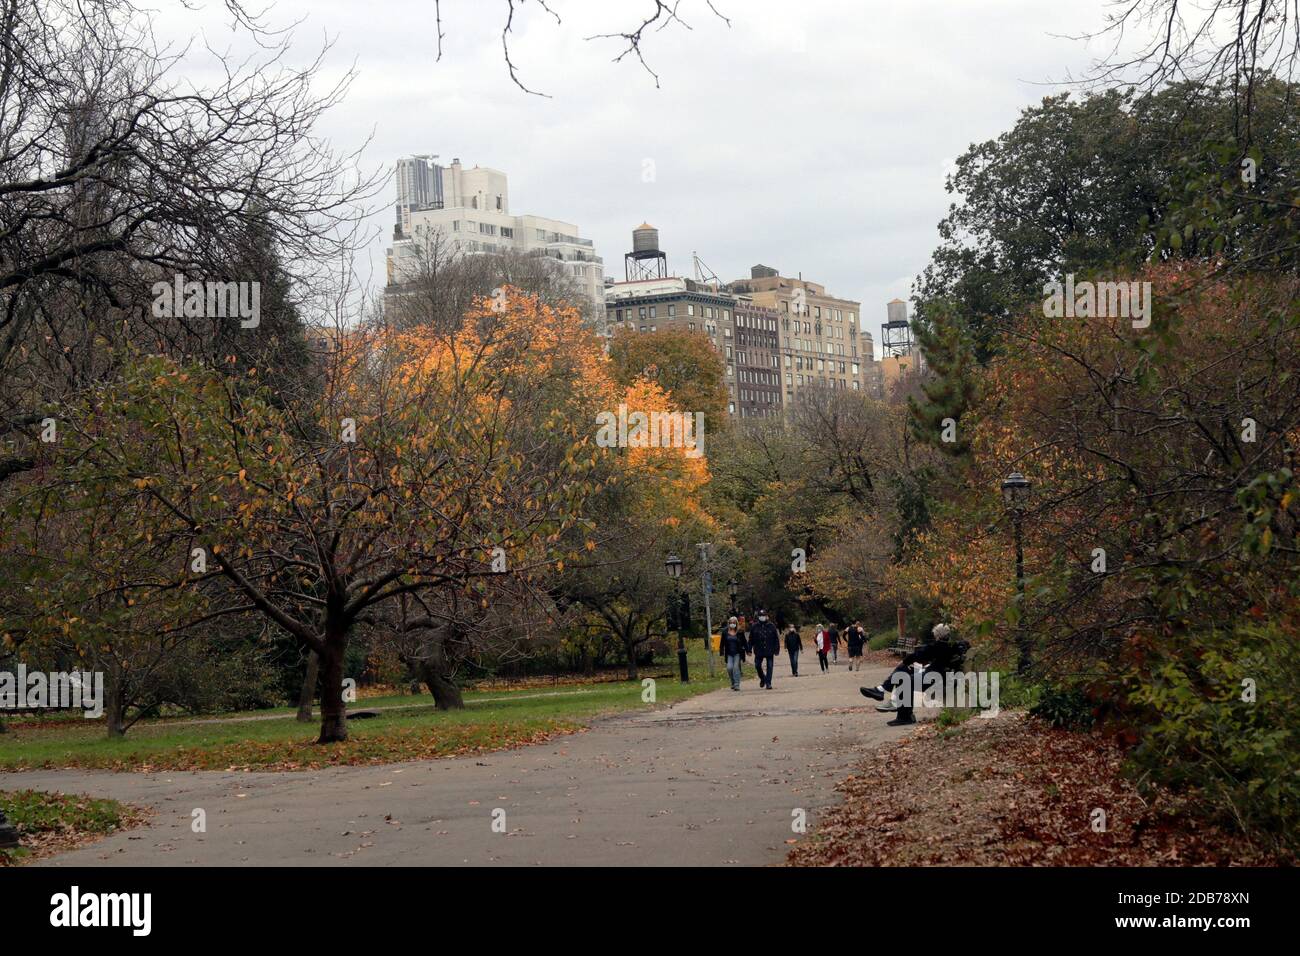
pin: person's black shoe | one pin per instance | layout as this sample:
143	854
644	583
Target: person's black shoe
875	693
900	721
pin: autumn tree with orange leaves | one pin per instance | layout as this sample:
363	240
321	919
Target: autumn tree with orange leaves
648	506
1163	464
425	458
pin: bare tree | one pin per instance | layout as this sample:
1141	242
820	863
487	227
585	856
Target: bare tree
1225	43
115	173
659	15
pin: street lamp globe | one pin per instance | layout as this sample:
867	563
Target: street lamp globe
1015	490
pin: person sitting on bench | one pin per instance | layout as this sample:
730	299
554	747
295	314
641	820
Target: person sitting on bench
939	655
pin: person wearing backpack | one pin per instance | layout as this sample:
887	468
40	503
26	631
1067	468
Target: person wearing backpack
855	637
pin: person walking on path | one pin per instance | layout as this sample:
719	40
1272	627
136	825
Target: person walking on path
822	642
834	635
733	651
855	638
765	642
793	645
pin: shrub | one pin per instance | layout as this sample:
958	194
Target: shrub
1063	706
1222	711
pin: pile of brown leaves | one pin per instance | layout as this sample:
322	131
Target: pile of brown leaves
1011	791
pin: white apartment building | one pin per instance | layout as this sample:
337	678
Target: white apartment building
472	214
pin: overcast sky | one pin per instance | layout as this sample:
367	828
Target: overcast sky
812	136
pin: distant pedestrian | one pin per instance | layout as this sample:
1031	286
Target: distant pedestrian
765	642
793	645
733	651
855	638
823	644
834	635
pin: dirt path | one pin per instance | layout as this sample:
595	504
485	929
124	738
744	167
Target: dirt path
717	779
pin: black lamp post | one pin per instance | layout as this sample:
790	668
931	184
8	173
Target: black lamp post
673	565
1015	495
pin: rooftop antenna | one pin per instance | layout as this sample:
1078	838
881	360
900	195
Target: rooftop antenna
703	273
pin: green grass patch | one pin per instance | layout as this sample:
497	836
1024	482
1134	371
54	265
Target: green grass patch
412	730
882	641
41	817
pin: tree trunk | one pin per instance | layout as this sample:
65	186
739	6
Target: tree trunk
333	709
115	706
629	646
435	671
308	692
446	695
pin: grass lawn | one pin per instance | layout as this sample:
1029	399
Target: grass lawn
413	730
49	822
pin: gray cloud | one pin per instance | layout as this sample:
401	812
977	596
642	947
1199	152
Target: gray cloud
811	136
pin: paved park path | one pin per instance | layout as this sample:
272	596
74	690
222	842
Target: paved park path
713	780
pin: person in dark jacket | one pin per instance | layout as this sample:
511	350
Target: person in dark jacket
939	655
834	635
765	642
793	645
733	651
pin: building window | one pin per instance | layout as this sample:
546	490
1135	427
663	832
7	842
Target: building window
652	311
672	310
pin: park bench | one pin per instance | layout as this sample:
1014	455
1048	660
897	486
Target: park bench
904	645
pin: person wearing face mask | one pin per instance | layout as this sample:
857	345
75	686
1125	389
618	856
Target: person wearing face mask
733	651
765	642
